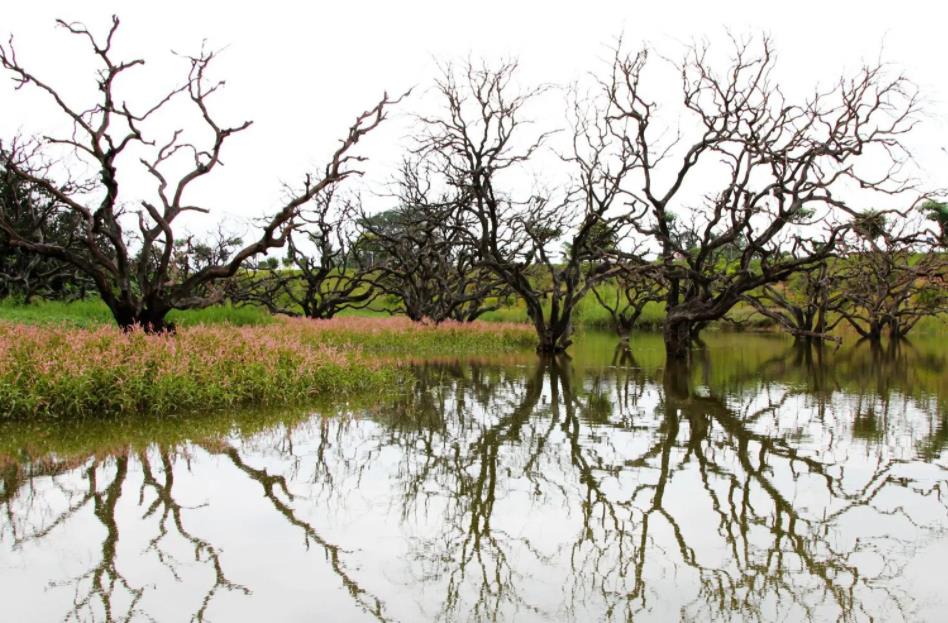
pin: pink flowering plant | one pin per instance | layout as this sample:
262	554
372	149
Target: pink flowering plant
59	371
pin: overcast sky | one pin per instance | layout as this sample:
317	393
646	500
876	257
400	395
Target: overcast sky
302	71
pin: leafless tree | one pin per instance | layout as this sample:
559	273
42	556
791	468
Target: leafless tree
129	254
422	256
323	272
892	275
626	295
804	304
546	246
777	175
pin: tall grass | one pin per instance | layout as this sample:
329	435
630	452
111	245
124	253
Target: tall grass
61	371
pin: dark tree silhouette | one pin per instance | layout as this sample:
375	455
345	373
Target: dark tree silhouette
32	214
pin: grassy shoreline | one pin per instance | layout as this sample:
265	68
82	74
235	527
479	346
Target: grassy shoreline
589	316
61	360
59	371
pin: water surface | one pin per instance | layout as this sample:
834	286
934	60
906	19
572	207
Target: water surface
767	482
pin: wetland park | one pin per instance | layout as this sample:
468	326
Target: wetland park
675	351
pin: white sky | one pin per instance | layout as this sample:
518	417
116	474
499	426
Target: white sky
302	71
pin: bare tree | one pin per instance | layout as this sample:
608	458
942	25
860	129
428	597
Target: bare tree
547	247
625	297
130	255
422	256
891	276
773	172
803	305
323	271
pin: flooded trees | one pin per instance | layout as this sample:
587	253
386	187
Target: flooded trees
804	304
129	254
892	274
545	246
625	296
750	189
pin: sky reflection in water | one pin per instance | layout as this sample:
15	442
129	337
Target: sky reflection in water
767	482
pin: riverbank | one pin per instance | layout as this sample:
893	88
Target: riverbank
58	371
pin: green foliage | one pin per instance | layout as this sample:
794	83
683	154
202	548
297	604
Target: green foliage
870	224
938	211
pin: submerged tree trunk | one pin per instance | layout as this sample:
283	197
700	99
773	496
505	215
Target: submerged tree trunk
623	324
874	332
553	336
675	380
678	333
550	341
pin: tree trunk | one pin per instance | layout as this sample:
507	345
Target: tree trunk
677	333
623	326
150	320
550	343
896	330
676	380
552	338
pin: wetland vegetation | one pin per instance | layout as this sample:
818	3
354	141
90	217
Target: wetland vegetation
695	370
773	481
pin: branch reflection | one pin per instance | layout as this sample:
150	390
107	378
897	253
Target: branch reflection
797	488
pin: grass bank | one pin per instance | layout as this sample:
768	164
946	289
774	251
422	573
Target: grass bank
66	371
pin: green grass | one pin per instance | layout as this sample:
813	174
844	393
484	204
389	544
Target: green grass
222	314
93	312
84	313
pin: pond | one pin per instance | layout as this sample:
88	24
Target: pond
769	481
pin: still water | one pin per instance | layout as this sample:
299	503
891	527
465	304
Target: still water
767	482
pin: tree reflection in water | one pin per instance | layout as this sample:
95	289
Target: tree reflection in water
797	490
